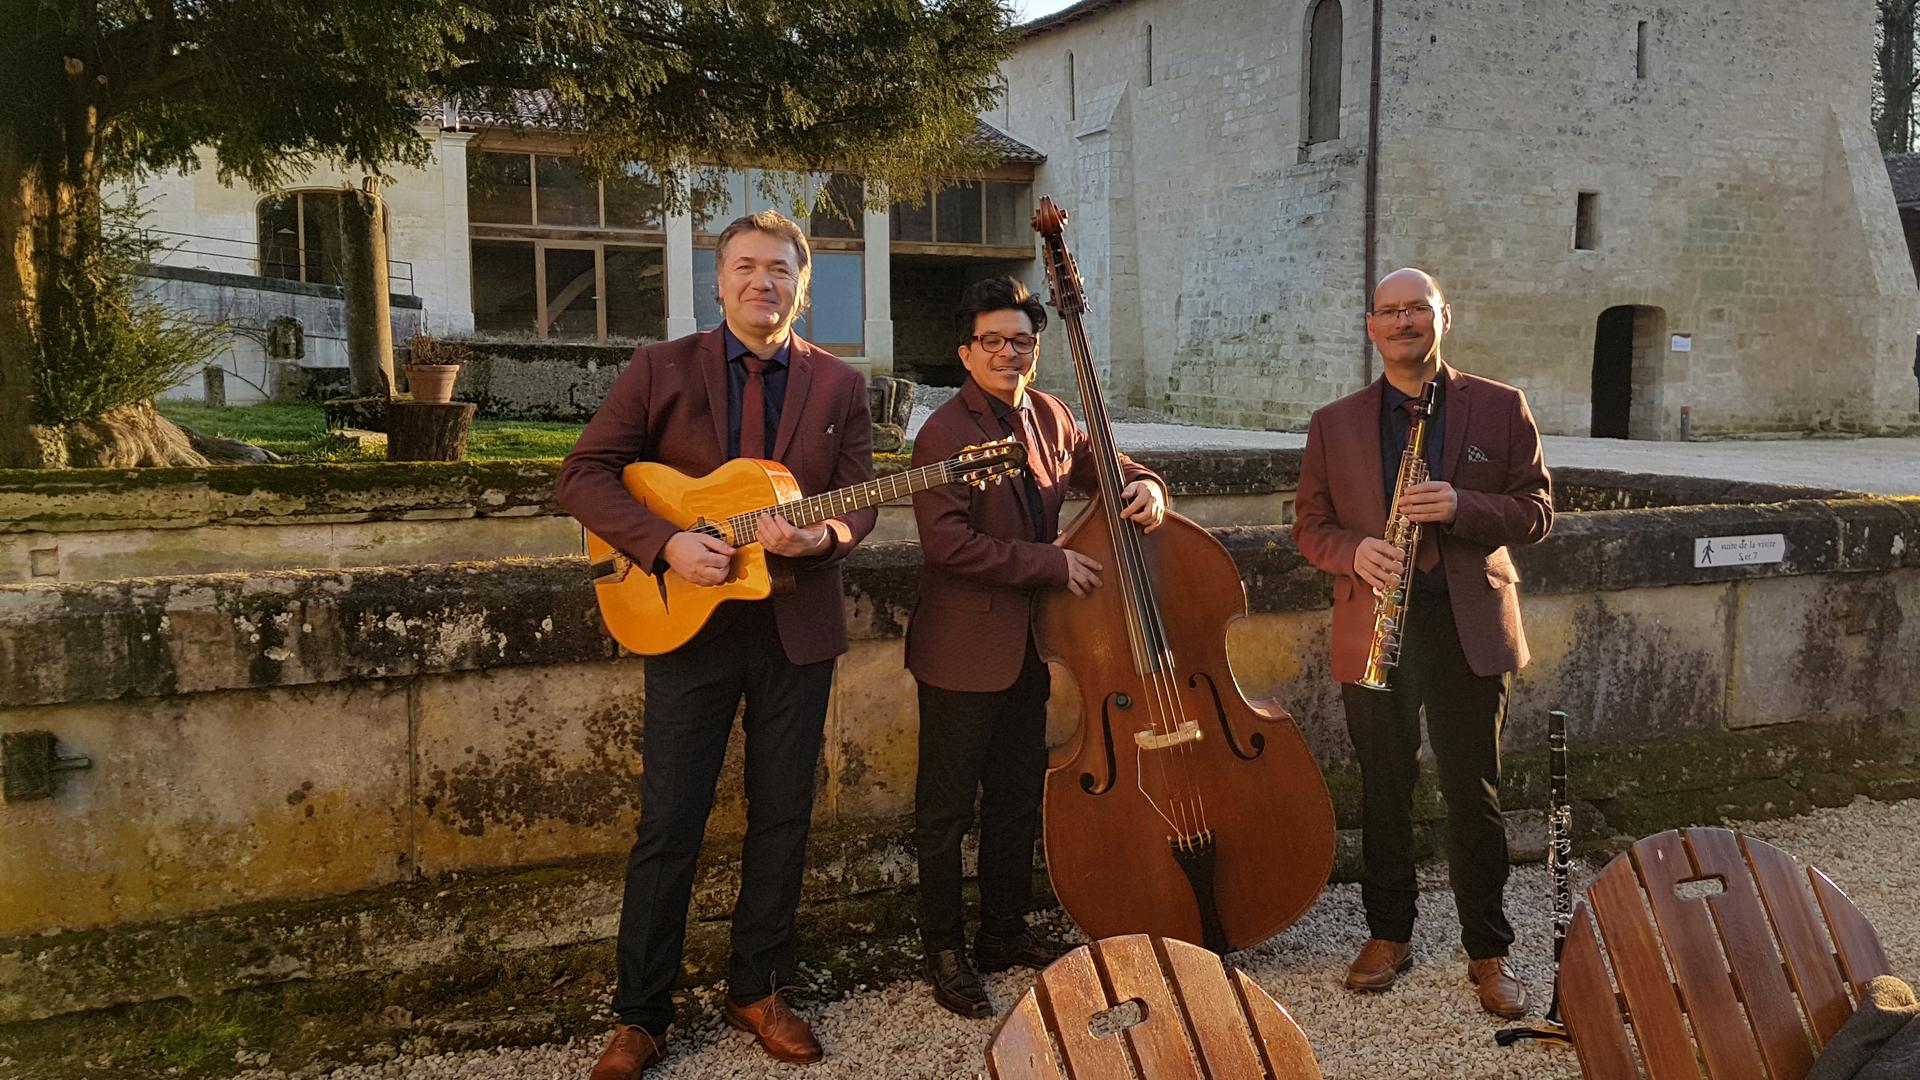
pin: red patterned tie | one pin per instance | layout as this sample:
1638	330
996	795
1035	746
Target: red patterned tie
753	408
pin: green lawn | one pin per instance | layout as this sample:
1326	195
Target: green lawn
297	432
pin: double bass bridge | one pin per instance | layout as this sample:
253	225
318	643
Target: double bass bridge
1187	732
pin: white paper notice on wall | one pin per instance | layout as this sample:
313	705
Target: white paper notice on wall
1739	550
1683	343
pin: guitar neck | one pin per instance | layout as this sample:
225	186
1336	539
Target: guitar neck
817	508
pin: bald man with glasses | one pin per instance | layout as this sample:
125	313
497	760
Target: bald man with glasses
1461	639
983	687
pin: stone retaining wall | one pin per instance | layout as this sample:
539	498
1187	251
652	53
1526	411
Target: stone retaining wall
263	742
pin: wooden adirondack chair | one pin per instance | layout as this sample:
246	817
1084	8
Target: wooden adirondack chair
1199	1020
1763	970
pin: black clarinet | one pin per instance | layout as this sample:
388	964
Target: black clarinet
1560	865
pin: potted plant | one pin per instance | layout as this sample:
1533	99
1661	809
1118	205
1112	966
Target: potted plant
433	365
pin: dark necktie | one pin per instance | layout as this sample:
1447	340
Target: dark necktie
753	408
1428	556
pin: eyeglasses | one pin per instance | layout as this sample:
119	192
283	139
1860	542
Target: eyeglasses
1022	343
1416	312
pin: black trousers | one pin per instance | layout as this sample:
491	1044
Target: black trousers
692	696
1464	713
995	745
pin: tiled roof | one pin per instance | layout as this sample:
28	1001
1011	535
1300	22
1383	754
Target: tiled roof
1071	14
536	108
1011	149
1904	171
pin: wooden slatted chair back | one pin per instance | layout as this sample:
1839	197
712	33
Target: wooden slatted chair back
1727	960
1197	1020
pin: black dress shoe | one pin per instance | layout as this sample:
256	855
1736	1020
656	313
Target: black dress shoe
956	985
1024	949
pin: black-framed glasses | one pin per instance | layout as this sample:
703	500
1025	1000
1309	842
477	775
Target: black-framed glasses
1416	312
1022	343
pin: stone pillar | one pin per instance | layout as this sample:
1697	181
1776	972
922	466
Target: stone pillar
363	248
680	320
877	233
452	311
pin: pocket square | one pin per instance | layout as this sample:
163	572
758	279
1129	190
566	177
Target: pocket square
1474	453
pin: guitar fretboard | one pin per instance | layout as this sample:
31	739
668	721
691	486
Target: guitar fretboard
815	508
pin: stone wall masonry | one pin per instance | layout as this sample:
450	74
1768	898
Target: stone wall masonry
1748	212
261	742
1221	255
87	524
539	381
1741	201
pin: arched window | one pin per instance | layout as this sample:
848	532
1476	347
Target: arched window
1323	72
300	236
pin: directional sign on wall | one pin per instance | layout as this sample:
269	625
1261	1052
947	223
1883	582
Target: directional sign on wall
1739	550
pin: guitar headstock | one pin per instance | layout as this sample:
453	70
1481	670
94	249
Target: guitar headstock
984	462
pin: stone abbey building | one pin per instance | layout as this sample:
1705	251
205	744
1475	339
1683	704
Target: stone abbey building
1635	206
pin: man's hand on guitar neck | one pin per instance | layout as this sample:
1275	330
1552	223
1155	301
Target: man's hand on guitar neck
781	538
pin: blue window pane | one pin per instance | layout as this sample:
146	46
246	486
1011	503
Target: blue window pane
839	313
706	278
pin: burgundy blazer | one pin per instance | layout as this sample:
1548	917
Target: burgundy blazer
1492	459
982	570
670	406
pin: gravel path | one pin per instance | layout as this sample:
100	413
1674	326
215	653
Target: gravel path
1428	1026
1886	466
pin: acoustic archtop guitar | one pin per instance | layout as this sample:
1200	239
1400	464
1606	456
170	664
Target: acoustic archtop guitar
653	613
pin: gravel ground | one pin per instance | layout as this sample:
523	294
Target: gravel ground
1428	1026
1886	466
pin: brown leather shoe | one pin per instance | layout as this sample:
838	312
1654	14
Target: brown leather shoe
1379	964
1500	993
628	1054
780	1032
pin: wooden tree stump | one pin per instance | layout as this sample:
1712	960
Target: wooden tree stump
428	430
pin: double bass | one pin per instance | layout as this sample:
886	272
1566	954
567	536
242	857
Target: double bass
1180	808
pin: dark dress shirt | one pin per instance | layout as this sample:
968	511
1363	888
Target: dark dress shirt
773	389
1015	420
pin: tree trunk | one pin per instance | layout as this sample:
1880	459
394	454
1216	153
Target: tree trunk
363	246
19	194
428	430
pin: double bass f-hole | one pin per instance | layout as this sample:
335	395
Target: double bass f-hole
1255	740
1088	782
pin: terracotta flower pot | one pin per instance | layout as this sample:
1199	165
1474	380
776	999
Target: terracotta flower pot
432	382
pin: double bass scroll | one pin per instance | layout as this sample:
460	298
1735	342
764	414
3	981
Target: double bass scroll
1181	809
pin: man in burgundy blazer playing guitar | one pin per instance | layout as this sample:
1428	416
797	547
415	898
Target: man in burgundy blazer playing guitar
1461	642
750	388
983	688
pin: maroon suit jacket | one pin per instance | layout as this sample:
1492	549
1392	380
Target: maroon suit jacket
1492	459
670	406
982	568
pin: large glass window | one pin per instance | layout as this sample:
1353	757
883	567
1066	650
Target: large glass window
968	212
837	320
957	214
300	237
504	300
838	209
534	269
500	188
636	292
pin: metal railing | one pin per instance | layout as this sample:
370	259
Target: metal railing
223	253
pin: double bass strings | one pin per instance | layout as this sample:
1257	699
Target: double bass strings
1145	628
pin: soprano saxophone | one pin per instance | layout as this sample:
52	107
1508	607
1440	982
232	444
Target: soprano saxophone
1390	604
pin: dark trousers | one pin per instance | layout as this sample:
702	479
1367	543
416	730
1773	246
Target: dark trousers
993	744
692	696
1464	713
